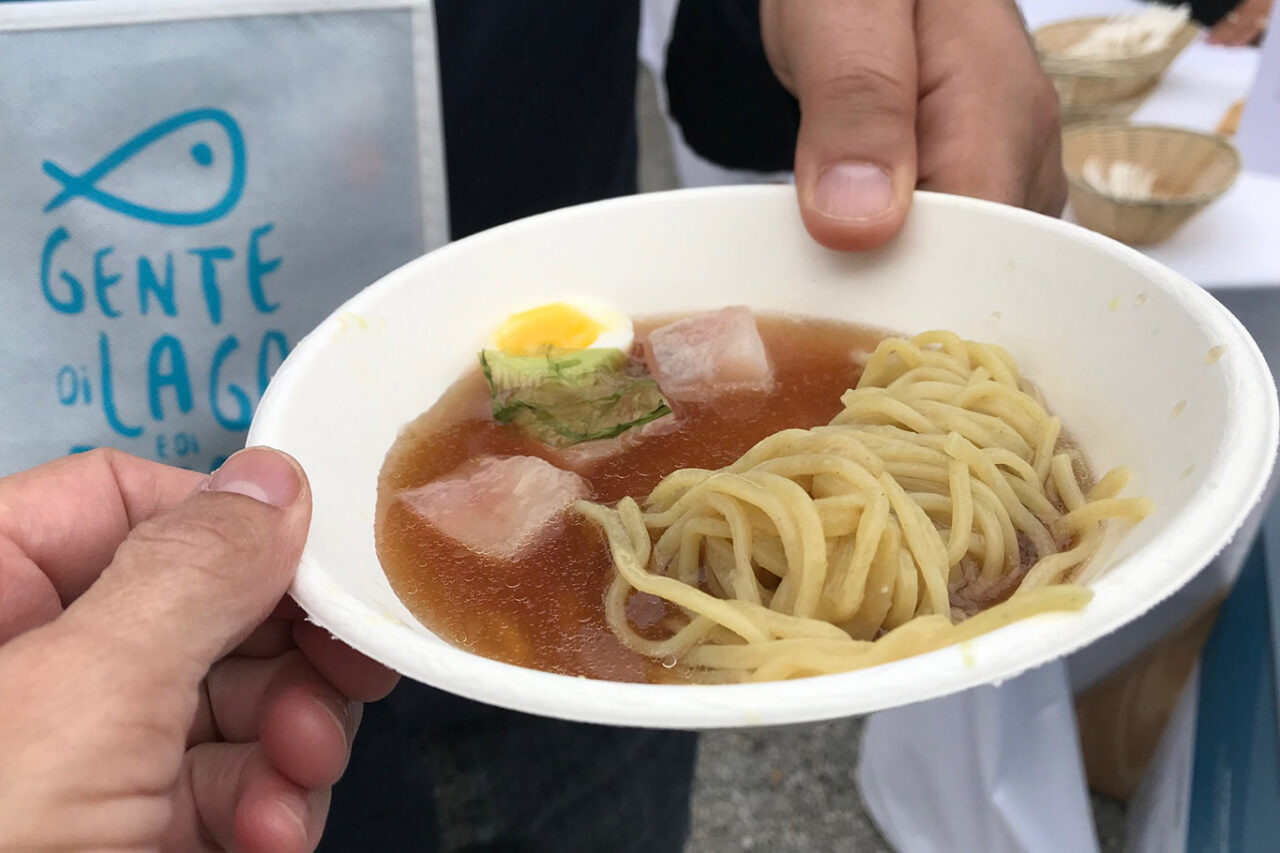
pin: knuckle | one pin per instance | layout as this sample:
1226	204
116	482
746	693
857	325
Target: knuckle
105	459
866	90
103	455
204	530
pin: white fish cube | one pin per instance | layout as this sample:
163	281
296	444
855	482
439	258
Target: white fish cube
498	506
701	357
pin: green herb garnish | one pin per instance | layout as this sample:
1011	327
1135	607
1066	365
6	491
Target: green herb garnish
567	397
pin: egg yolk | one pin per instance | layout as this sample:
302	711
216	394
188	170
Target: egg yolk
557	325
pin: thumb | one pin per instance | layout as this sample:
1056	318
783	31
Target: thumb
855	77
187	586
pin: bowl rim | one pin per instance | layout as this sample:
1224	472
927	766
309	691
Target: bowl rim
1078	183
1245	454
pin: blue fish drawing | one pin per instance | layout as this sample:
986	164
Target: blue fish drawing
85	185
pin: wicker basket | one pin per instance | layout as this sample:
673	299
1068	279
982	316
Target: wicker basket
1082	99
1192	169
1102	88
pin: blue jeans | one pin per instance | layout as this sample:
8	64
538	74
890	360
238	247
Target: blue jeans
432	772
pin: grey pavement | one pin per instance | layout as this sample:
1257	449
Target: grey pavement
787	789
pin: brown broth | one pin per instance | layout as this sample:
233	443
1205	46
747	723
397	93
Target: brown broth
546	609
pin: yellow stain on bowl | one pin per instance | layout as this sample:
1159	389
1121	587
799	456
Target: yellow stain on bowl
352	320
1114	304
966	654
1179	407
348	323
1214	353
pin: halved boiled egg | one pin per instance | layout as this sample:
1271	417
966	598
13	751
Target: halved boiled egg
568	325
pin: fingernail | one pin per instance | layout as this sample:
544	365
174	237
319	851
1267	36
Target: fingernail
340	712
853	191
293	812
261	474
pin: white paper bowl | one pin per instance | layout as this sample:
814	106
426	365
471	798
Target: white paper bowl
1144	367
